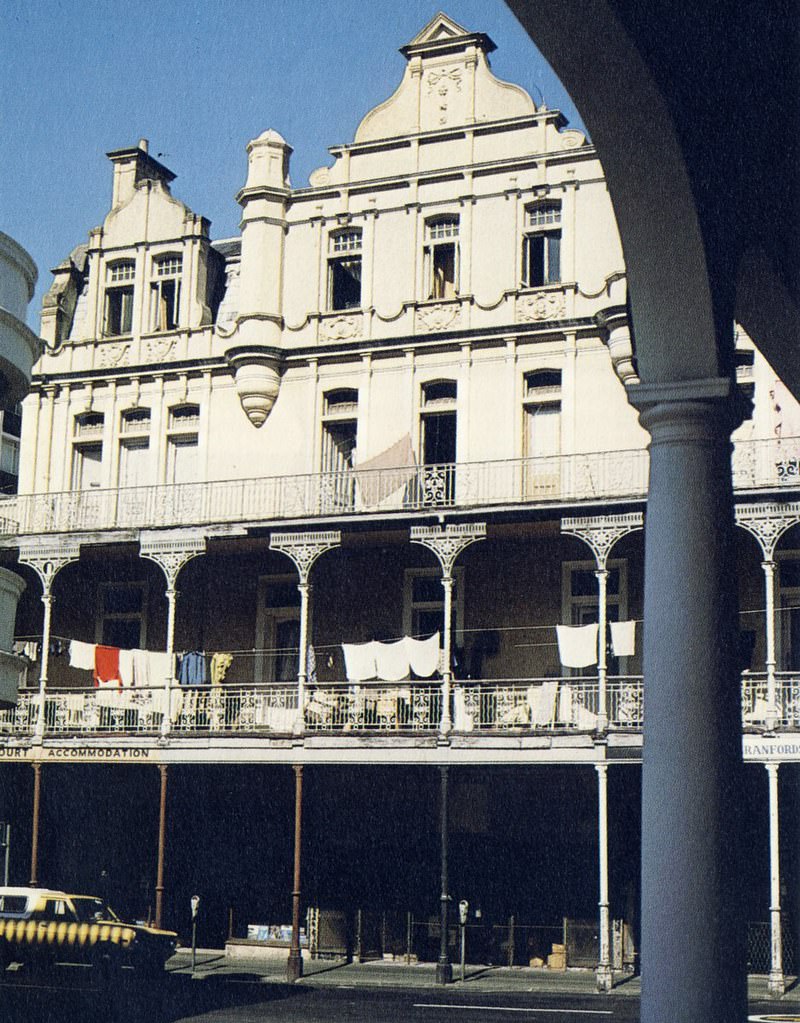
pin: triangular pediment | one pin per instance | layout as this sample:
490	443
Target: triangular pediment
439	28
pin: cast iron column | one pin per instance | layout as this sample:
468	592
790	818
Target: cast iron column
37	799
776	983
294	966
693	961
605	977
162	838
444	968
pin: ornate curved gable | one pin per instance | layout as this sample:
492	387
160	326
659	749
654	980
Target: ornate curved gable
447	83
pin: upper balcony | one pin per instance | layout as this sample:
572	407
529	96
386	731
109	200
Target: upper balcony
554	480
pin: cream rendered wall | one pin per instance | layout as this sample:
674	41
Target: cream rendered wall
604	420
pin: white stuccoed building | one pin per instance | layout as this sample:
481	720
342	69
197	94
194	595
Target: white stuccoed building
404	387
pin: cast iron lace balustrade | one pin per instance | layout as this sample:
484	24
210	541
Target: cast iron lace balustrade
554	479
528	706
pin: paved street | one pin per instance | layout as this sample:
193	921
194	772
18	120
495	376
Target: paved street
237	991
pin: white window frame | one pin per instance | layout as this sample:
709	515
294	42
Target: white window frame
101	616
166	269
120	284
542	218
441	230
345	245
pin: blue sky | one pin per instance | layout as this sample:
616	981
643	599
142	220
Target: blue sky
199	78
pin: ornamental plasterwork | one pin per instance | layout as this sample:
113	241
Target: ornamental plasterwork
158	349
601	532
113	354
544	305
47	559
438	317
439	84
171	553
768	522
340	328
449	542
304	548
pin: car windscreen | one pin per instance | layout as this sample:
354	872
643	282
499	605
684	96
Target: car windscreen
91	910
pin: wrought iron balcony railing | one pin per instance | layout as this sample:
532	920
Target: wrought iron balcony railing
555	479
544	706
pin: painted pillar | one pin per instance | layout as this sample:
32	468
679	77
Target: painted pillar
769	594
162	841
47	601
444	968
302	667
602	649
605	977
776	982
294	965
447	645
37	801
693	948
172	597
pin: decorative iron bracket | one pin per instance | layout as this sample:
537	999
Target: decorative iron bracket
171	551
304	548
601	532
768	522
448	542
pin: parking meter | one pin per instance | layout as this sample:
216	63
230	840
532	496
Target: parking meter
463	911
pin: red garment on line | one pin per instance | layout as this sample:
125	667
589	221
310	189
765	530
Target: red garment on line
106	666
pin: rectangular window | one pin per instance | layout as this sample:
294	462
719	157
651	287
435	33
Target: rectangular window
541	259
165	293
441	258
133	462
121	615
423	603
541	246
344	270
344	283
119	311
580	601
277	629
87	462
182	458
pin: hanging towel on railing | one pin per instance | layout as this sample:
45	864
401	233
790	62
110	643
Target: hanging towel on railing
424	655
577	645
126	678
220	662
81	655
359	661
391	660
623	638
192	669
384	474
106	666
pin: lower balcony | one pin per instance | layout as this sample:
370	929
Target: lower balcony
525	706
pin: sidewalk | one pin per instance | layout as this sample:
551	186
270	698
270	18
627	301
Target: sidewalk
398	975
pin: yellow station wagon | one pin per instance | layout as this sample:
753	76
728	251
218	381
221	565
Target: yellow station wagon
42	928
